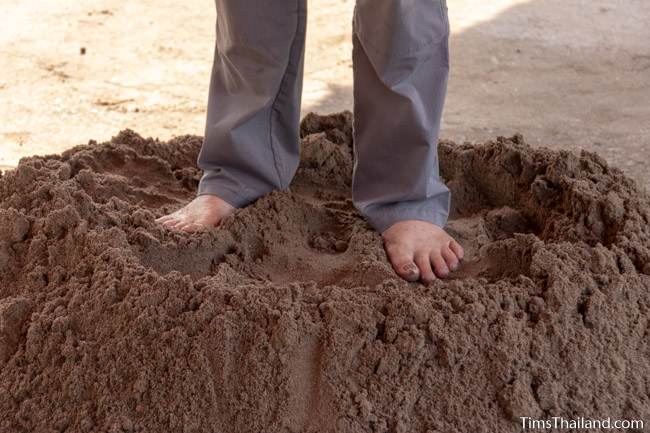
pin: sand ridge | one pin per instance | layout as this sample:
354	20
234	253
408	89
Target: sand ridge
289	318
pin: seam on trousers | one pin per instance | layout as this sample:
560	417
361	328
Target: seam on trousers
445	15
390	86
368	44
371	47
276	160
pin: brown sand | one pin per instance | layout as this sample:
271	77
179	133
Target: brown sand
289	318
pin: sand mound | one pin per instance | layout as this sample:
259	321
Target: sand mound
289	318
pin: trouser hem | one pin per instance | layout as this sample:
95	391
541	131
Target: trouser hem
383	217
234	198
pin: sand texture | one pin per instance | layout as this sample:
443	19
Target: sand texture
289	318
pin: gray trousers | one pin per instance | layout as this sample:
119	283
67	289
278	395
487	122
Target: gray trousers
400	62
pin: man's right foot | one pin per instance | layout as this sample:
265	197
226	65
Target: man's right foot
203	212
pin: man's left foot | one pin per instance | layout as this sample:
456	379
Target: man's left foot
419	250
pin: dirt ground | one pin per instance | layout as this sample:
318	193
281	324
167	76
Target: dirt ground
289	318
565	73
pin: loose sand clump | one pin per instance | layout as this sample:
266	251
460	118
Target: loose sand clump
289	319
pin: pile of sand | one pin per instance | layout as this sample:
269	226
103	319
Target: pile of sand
289	319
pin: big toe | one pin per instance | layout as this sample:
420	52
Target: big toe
408	270
404	265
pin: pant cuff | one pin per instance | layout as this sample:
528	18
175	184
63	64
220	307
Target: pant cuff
381	217
234	198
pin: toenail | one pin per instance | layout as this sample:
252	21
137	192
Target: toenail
410	269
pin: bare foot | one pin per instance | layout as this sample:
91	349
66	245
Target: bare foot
419	250
202	212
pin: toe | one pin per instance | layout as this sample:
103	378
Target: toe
181	226
439	264
192	227
175	224
457	249
450	258
408	270
164	218
171	222
403	264
424	265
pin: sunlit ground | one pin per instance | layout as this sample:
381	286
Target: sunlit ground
146	67
566	73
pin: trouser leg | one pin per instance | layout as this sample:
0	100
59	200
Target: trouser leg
252	142
401	64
